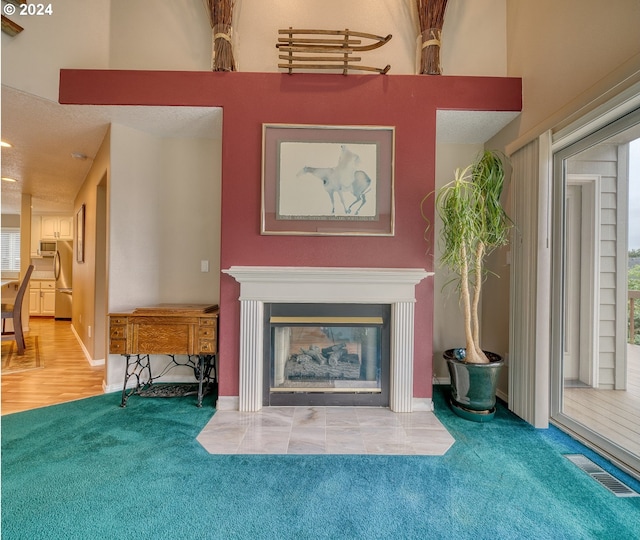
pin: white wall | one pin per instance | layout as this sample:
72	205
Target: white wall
135	218
164	219
190	205
474	40
176	34
563	49
75	36
258	24
164	204
159	34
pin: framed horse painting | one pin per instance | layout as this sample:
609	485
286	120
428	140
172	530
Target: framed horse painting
327	180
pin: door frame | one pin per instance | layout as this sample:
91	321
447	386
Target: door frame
589	186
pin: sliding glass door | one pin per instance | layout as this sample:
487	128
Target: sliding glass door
596	278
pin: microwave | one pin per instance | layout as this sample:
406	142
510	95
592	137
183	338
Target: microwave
47	248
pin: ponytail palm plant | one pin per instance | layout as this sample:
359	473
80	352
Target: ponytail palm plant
474	223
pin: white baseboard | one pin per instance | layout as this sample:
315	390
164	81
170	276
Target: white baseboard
422	404
92	362
111	388
228	403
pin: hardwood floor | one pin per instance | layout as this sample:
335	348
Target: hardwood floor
66	375
614	414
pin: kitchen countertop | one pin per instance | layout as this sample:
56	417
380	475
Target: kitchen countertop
42	275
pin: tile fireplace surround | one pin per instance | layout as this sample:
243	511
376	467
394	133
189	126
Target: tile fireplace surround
274	284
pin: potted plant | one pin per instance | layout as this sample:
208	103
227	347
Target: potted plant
474	223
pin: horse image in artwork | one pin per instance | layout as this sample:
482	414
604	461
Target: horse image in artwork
344	177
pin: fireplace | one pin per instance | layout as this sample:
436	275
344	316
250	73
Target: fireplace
264	285
326	354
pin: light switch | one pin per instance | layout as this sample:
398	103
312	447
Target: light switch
204	266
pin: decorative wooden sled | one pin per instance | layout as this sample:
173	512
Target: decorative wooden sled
334	49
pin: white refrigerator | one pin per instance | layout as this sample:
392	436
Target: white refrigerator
62	269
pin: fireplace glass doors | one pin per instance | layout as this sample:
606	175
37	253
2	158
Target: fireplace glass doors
327	354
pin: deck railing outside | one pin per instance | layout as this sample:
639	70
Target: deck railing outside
633	296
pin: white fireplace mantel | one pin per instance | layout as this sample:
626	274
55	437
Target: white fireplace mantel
283	284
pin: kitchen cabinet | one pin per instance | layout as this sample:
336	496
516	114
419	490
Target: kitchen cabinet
42	298
56	227
34	298
36	232
49	228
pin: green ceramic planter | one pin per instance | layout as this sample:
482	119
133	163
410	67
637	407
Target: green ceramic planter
473	386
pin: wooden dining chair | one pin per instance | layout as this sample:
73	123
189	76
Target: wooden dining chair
14	312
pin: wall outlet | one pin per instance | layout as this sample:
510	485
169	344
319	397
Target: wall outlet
89	330
204	266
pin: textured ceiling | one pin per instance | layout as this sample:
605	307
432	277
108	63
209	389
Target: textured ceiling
44	134
470	127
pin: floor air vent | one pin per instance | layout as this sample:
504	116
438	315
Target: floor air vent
611	483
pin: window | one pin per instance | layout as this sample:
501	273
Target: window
10	249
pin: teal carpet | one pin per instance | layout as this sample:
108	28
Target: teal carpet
89	469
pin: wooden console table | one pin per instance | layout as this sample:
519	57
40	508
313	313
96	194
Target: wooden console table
165	329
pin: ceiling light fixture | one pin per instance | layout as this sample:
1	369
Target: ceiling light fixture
7	179
78	155
5	144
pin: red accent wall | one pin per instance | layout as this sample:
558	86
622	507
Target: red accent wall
250	99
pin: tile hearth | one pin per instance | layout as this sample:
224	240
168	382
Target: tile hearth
325	430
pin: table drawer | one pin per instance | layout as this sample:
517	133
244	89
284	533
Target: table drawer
209	321
207	346
207	332
118	332
118	346
115	320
